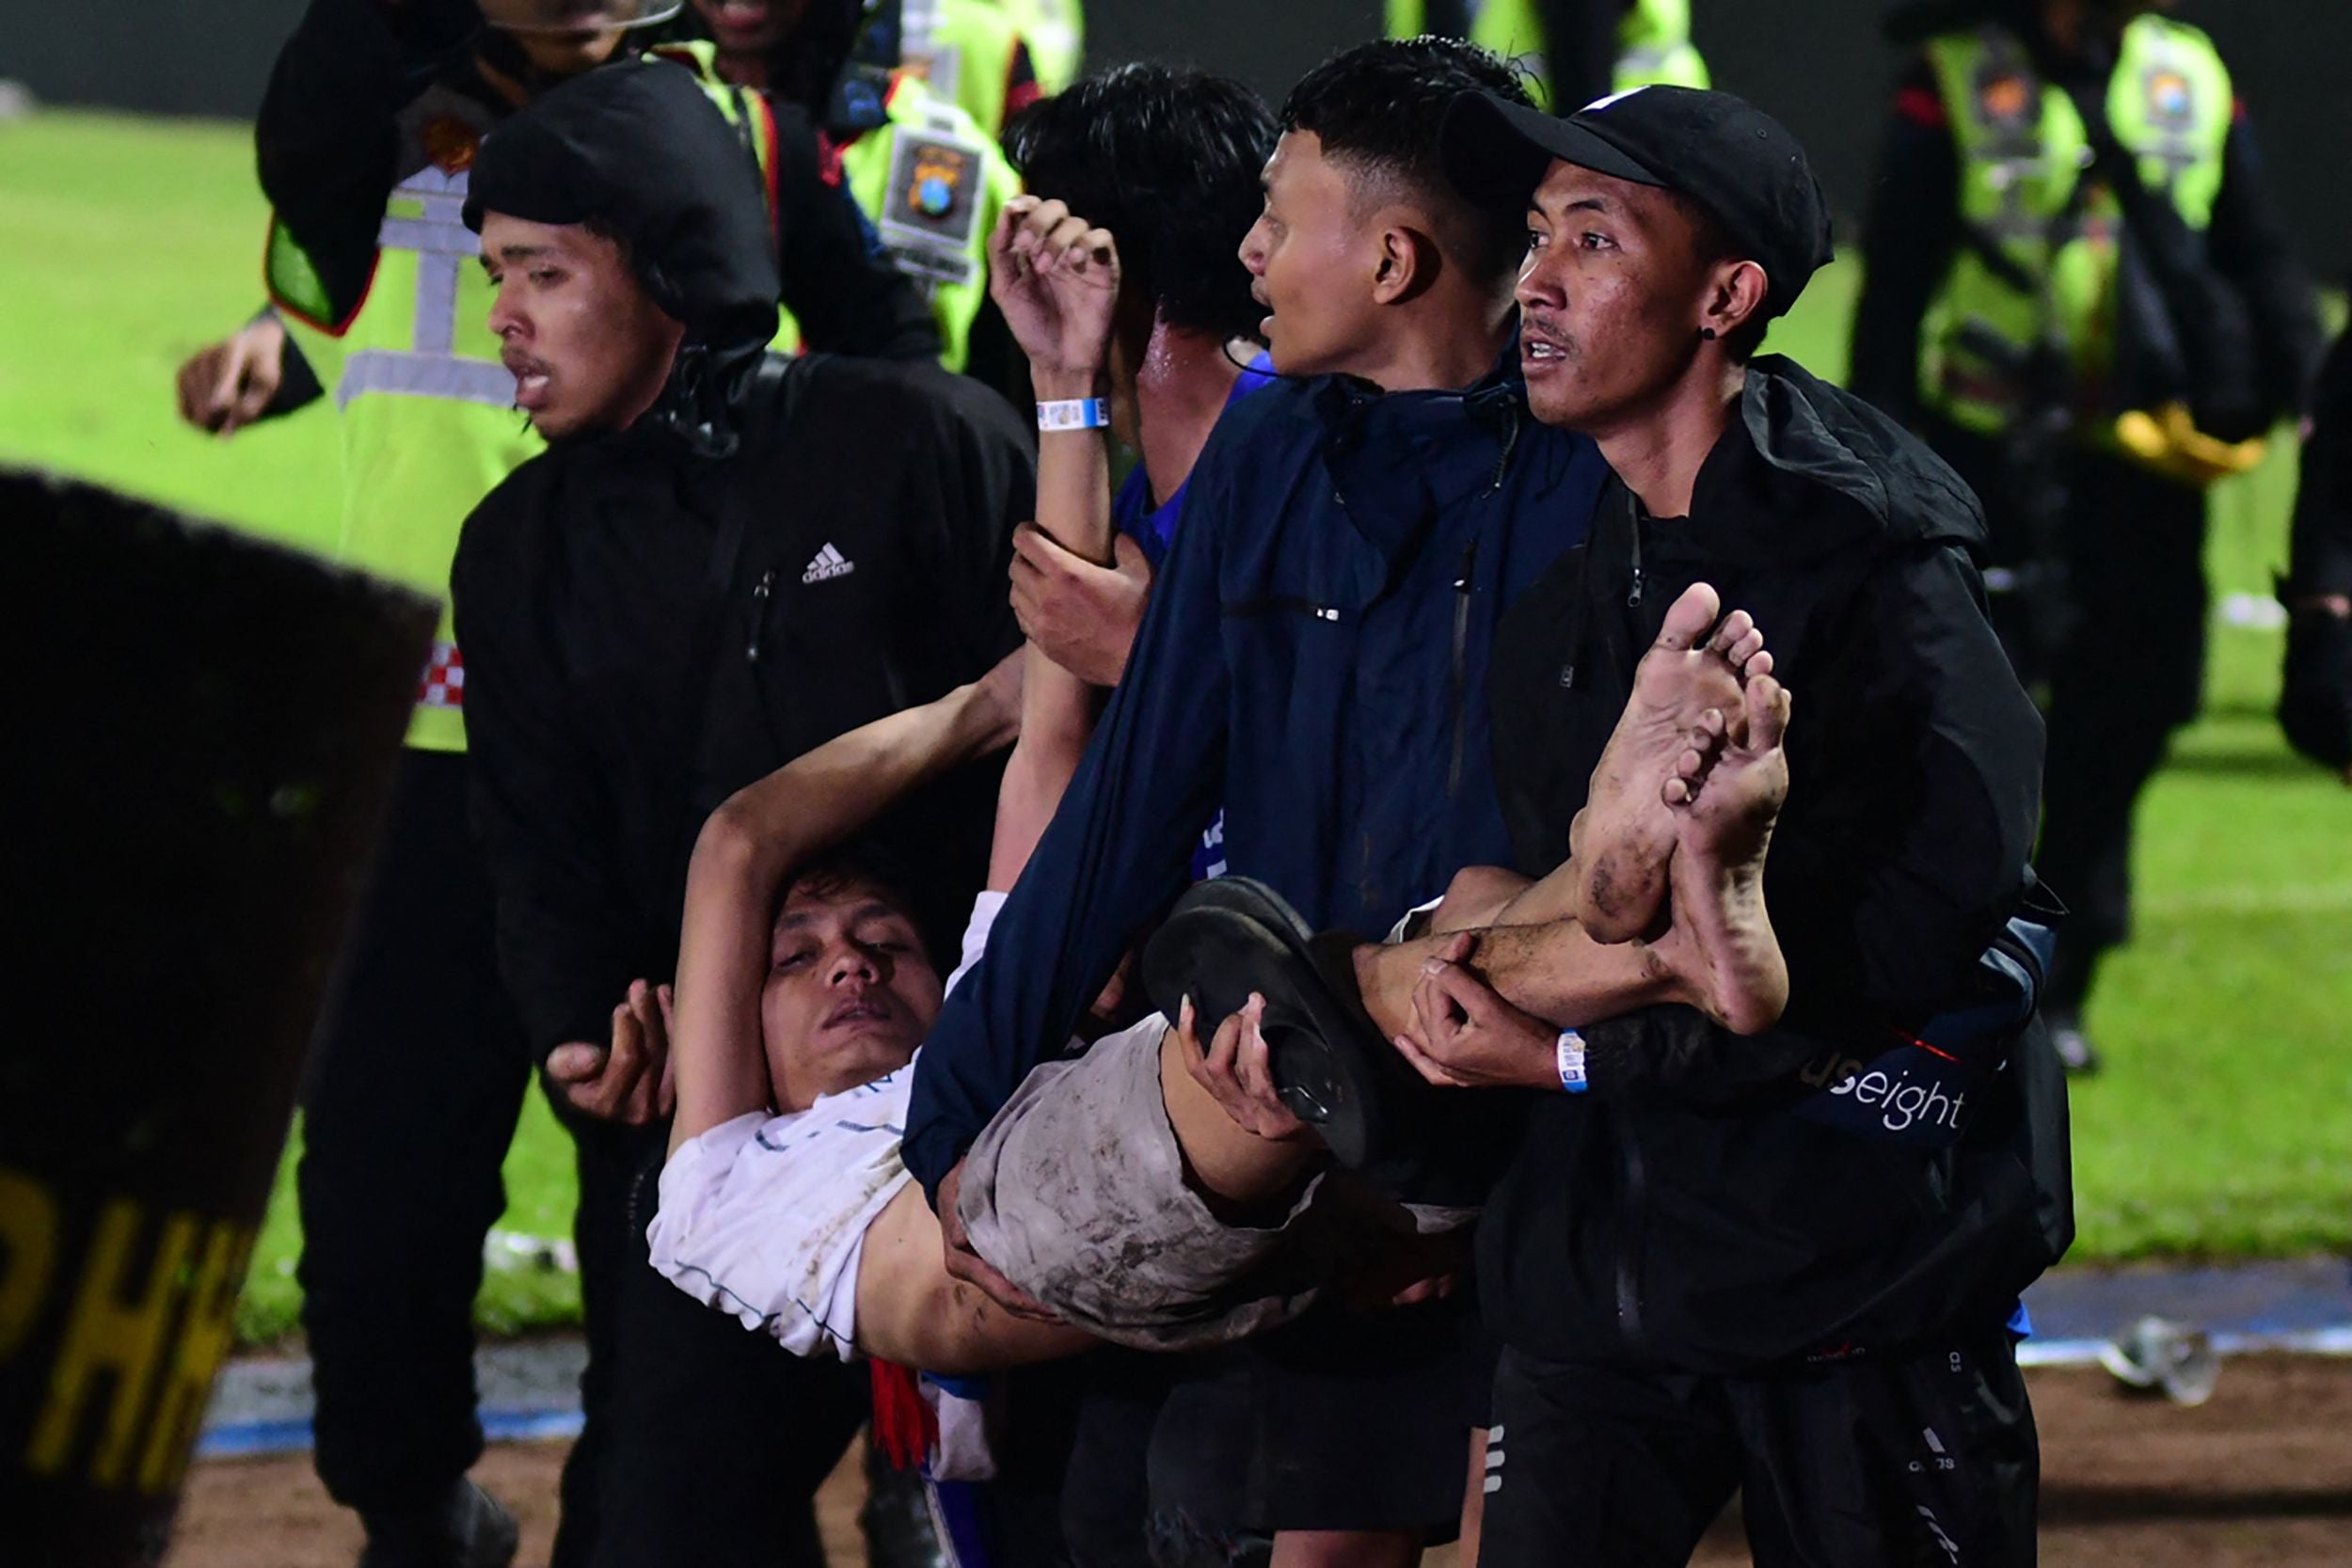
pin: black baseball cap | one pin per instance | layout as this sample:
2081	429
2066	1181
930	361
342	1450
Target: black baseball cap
1730	157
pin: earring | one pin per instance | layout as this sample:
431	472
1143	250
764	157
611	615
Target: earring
1707	333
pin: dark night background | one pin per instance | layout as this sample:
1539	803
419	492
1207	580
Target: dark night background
1819	65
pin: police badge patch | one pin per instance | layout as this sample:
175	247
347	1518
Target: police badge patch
2172	106
932	212
449	143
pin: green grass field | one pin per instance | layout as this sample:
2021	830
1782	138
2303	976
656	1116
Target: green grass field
2218	1128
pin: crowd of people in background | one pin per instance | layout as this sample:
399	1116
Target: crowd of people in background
1506	987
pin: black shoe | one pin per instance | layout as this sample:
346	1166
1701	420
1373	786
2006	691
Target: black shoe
2072	1046
466	1529
1232	935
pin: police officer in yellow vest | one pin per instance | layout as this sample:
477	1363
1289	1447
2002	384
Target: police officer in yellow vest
912	94
379	302
2078	291
1579	49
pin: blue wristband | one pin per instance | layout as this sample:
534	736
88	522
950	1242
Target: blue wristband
1075	414
1571	1056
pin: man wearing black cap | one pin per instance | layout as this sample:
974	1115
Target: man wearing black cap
1781	1262
687	589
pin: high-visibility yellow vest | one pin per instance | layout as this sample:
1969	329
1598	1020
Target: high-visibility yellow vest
964	51
1054	30
933	183
428	417
1654	45
2024	155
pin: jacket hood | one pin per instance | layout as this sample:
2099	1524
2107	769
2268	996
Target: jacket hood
1809	469
638	149
1396	459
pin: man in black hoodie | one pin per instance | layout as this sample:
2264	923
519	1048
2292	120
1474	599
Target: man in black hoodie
724	558
1779	1263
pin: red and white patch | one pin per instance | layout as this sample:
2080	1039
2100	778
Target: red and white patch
443	684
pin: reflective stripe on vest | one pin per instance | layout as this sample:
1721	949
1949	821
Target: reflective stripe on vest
442	245
424	375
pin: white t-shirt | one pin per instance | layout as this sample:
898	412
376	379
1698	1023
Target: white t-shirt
765	1216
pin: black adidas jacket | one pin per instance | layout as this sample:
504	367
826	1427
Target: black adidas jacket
624	676
1721	1203
775	552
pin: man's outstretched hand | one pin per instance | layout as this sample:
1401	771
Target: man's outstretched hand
1056	279
629	1080
226	387
966	1263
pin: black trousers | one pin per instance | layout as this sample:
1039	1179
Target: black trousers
413	1087
1925	1461
2122	669
704	1442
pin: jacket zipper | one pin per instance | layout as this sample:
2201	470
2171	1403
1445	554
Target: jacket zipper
1633	516
761	593
1461	666
1631	1237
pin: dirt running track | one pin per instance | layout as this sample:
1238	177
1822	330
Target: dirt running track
2262	1475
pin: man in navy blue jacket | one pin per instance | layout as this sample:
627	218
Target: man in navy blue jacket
1313	657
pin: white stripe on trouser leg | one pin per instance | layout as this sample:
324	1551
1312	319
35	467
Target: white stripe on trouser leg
1494	1459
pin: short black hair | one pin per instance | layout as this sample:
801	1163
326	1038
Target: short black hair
1169	161
867	863
1380	107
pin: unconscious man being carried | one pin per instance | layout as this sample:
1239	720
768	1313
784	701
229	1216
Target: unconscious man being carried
1145	1190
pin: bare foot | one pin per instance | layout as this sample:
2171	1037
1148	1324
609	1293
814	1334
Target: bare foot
1720	944
1726	797
1622	838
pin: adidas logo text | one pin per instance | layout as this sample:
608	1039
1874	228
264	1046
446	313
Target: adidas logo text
828	564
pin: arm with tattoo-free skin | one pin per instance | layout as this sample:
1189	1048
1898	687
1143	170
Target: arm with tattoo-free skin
1682	809
751	843
1055	280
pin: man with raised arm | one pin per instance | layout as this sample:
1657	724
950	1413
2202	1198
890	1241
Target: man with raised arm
1312	661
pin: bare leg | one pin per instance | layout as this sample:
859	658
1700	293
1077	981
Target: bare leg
1473	1501
1478	895
1620	842
1235	1168
1345	1548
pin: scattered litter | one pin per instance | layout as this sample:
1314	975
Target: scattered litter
2160	1356
512	1251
